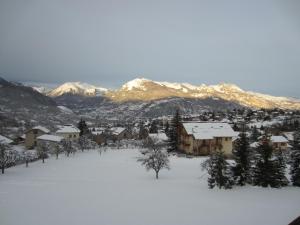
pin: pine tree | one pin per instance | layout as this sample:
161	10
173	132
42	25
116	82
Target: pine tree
82	127
173	142
268	168
254	134
218	170
167	128
153	127
241	156
295	160
280	167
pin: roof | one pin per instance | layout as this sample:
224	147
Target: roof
5	140
203	130
41	128
117	130
48	137
278	139
68	129
289	135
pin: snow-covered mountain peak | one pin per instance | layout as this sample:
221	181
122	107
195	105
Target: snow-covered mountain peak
137	83
226	87
77	88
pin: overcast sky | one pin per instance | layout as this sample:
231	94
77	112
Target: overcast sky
254	44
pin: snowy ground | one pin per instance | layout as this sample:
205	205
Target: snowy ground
115	189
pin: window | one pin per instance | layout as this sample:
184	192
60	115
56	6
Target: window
70	135
282	144
74	135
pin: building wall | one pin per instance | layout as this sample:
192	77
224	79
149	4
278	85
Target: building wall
30	139
280	146
69	136
203	147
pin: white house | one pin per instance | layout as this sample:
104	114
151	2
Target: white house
69	132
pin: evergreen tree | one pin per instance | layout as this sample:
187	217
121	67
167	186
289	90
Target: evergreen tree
295	160
167	128
241	156
83	127
173	142
280	167
153	127
218	171
268	169
254	134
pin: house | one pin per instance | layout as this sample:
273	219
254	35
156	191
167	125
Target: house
99	135
32	134
49	139
200	138
279	143
120	133
69	132
5	140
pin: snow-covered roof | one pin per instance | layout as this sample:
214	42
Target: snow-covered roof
289	135
68	129
48	137
159	136
278	139
44	129
203	130
117	130
5	140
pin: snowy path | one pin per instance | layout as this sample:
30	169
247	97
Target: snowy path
114	189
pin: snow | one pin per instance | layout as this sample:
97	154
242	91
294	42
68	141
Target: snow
117	130
204	130
65	109
136	83
77	88
114	189
48	137
44	129
5	140
278	139
159	136
68	129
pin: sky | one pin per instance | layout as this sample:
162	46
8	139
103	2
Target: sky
254	44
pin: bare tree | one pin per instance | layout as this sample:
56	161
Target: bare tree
42	151
7	156
57	149
154	157
83	142
68	147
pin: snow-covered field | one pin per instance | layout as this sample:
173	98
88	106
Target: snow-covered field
114	189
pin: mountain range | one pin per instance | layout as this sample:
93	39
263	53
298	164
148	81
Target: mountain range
145	90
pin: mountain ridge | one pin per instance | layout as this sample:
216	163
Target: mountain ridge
142	89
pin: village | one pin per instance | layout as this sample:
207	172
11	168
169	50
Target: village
198	135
